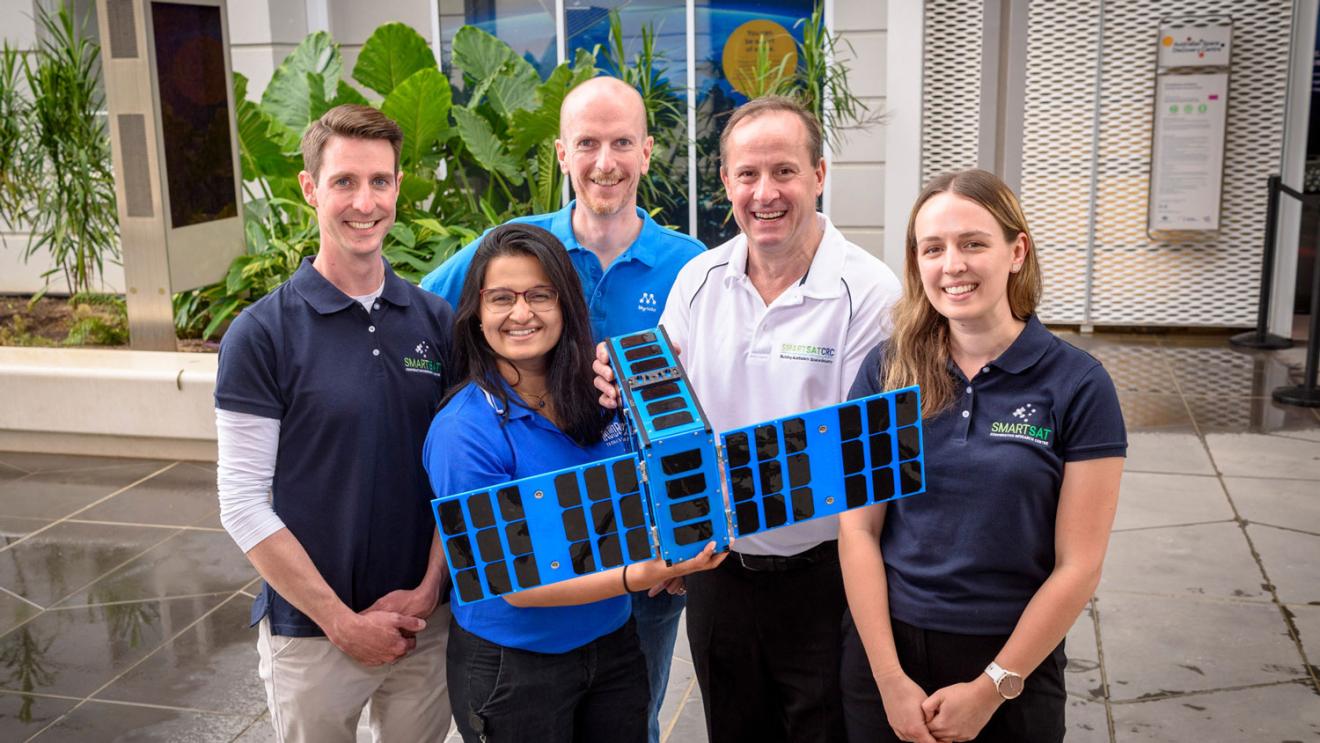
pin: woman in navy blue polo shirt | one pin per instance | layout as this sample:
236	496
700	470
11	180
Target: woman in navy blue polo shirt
560	662
961	597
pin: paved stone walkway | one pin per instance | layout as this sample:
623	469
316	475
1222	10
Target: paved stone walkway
123	604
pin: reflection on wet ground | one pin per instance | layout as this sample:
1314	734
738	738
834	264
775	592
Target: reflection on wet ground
123	606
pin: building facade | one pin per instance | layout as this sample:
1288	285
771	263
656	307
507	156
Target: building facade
1057	97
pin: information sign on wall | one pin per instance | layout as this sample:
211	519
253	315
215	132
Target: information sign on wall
1191	109
1195	45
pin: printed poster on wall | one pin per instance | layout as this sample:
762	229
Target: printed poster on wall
1187	161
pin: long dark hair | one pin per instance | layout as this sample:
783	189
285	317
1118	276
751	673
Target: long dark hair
568	364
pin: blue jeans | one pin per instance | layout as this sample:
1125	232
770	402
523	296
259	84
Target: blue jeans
591	694
657	628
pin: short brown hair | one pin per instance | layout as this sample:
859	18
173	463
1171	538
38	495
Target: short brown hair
350	120
770	104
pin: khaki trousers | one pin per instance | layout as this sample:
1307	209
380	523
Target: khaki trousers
316	693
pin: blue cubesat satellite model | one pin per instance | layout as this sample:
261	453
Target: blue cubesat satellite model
670	497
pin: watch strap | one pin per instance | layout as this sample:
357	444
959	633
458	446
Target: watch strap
997	674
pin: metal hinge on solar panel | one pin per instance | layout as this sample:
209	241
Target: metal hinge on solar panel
681	488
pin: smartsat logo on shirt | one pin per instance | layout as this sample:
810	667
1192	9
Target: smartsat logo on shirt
807	352
1021	426
648	303
422	363
1025	412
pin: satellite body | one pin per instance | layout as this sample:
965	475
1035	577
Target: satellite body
671	495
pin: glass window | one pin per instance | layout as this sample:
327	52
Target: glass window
587	26
526	25
727	38
726	34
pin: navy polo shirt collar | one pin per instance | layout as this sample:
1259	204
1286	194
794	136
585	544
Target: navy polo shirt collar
644	249
1028	348
326	298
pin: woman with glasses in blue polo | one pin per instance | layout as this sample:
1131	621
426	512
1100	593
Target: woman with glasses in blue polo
960	597
560	662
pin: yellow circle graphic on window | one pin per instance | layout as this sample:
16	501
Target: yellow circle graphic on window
740	55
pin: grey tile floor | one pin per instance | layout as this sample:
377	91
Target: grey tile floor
123	604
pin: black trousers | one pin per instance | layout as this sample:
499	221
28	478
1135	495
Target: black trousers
765	644
937	659
598	692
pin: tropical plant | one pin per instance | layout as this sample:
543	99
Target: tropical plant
818	81
98	320
664	190
478	143
14	116
473	156
56	177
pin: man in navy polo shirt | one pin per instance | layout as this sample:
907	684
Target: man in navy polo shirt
325	391
627	264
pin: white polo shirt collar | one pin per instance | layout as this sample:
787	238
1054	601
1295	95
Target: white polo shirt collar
823	277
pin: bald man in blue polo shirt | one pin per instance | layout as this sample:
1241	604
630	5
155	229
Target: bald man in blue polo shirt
627	264
324	395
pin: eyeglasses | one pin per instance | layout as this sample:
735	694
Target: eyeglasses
501	300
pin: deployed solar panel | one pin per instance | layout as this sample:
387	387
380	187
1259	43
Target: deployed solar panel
825	461
669	499
544	529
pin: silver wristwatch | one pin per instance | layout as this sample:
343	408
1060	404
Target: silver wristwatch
1008	684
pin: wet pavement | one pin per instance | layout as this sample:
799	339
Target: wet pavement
123	604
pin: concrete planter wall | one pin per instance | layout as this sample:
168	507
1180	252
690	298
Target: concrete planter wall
108	402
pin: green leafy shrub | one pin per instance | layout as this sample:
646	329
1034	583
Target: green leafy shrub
478	148
19	333
99	320
56	177
474	155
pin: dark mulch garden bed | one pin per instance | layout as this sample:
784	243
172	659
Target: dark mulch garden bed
50	320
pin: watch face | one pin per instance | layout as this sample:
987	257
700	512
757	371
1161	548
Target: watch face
1010	686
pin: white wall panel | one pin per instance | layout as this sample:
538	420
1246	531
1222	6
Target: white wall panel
352	21
864	145
852	15
859	195
865	60
951	76
872	240
1057	148
1086	164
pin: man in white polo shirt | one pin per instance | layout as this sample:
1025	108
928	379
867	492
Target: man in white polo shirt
774	322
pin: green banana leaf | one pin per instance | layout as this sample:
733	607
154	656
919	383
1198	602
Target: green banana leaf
392	54
289	96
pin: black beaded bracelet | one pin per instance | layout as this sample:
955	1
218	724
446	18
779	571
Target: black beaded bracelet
625	580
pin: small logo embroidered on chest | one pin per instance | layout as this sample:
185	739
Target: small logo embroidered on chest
613	434
648	303
1024	425
807	352
421	362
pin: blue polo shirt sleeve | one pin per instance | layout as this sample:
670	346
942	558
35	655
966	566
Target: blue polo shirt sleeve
1093	424
245	379
465	451
447	278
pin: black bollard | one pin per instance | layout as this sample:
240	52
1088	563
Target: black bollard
1307	394
1261	338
